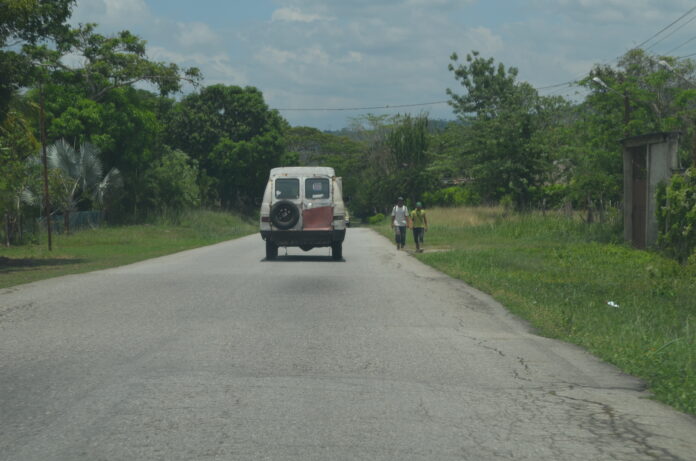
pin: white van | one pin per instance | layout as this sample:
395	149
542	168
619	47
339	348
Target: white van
303	207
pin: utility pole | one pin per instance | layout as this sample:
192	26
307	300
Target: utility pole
44	160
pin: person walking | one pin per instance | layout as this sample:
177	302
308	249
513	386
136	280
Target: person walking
400	222
419	223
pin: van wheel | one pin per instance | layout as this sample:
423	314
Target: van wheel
337	251
284	214
271	250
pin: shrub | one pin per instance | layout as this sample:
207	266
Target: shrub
452	196
676	215
376	219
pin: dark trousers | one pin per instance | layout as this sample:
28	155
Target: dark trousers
400	235
418	233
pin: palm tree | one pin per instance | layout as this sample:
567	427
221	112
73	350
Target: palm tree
76	174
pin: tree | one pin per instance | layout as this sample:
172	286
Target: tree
26	22
408	144
234	137
76	176
172	183
642	94
310	146
502	120
17	144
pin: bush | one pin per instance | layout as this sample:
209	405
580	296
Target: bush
549	196
452	196
172	184
376	219
676	215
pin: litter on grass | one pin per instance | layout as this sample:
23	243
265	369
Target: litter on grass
612	304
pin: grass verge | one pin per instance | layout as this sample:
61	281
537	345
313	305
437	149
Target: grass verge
578	283
106	247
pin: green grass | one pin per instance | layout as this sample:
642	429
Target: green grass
561	274
106	247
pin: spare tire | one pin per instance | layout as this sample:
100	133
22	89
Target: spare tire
284	214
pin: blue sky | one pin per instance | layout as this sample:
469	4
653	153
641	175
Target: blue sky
366	53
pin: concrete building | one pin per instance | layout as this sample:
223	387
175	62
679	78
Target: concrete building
648	160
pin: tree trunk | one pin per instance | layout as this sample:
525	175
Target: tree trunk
7	230
66	221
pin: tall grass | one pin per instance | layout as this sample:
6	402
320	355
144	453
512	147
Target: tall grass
577	282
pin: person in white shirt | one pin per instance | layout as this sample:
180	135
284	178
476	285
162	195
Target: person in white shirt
399	222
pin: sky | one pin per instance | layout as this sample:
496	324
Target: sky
364	55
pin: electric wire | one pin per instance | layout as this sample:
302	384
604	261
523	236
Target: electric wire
679	46
556	88
666	27
671	33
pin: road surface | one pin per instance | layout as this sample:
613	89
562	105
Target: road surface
217	354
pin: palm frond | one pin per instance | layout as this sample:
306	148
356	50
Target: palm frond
28	197
62	155
91	165
112	181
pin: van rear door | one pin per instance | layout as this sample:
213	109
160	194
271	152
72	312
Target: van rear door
317	208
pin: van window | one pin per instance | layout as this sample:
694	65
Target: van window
287	188
317	188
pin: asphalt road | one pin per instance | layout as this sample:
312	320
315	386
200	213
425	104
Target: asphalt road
217	354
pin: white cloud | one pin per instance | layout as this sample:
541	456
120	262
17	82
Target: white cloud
122	14
334	53
217	68
194	34
294	15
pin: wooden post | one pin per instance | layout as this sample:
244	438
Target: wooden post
44	159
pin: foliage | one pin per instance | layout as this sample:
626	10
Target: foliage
233	135
461	195
26	22
309	146
393	161
76	177
108	63
172	183
676	215
506	123
376	219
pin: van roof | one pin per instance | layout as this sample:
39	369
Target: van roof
303	171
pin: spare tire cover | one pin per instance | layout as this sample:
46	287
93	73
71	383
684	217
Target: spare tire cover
284	214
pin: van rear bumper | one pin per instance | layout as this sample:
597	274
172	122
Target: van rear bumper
290	238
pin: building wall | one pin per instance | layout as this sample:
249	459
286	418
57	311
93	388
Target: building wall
661	162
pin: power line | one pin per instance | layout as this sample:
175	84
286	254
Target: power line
571	82
666	27
670	34
677	47
556	87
